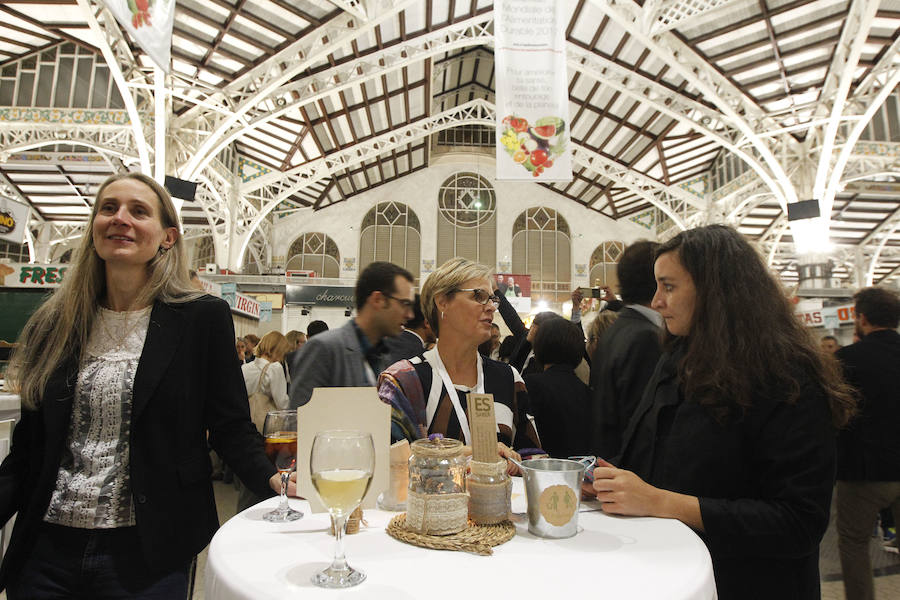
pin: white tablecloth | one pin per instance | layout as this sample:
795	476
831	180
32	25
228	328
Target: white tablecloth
610	558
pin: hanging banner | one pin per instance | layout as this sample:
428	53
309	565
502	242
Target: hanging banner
149	23
265	311
532	91
13	221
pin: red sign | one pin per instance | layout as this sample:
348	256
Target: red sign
816	318
246	305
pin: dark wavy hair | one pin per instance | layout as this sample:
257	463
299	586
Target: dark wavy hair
880	306
744	338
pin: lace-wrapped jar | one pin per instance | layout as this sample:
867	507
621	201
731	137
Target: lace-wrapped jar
490	492
437	503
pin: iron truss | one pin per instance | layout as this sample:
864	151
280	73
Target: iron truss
782	167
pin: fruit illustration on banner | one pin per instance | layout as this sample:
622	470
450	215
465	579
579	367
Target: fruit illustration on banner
533	146
140	11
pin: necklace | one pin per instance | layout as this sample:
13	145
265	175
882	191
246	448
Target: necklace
126	330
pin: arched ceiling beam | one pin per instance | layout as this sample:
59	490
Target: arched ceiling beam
261	82
108	32
740	110
887	74
469	32
477	31
276	188
356	8
860	17
886	230
665	15
677	106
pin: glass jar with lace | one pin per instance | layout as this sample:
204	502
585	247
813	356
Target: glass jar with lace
437	503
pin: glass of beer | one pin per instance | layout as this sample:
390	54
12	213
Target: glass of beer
280	431
341	464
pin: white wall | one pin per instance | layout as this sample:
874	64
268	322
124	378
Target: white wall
419	191
291	317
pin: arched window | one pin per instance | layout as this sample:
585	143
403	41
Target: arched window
204	252
314	252
467	219
542	248
603	264
391	232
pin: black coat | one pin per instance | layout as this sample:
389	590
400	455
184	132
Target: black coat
403	346
620	369
764	481
869	447
187	383
560	405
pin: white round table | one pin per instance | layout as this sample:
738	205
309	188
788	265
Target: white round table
610	558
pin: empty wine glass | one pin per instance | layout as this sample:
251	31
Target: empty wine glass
280	431
341	463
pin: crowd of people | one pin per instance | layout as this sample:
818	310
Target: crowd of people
702	396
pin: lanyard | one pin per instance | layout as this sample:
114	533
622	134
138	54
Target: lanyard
439	370
370	374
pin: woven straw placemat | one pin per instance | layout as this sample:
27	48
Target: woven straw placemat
477	539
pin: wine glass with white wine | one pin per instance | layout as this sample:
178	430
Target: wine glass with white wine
280	431
341	464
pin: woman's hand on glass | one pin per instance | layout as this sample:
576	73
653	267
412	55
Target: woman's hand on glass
624	493
275	484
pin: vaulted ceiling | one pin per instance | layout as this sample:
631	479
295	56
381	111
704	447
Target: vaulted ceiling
702	109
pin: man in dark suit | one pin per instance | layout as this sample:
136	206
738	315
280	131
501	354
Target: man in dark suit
868	470
414	338
355	354
627	352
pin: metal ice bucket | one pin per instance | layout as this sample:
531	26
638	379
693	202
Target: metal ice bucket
553	490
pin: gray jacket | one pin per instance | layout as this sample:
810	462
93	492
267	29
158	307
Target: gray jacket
332	358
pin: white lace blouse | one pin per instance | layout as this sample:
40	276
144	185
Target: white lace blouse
93	488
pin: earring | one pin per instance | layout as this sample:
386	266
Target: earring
163	249
442	315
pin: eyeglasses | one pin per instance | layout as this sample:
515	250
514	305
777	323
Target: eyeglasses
480	296
404	302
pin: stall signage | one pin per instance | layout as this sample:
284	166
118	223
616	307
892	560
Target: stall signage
245	305
320	295
211	288
826	317
13	219
24	275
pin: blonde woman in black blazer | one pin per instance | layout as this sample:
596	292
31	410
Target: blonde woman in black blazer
122	374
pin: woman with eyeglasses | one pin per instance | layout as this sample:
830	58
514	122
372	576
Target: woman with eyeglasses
428	393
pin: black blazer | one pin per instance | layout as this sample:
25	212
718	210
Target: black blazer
620	369
869	447
764	480
560	404
187	383
403	346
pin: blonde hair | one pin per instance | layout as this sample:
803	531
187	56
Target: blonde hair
600	324
445	280
597	328
293	336
273	346
60	328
